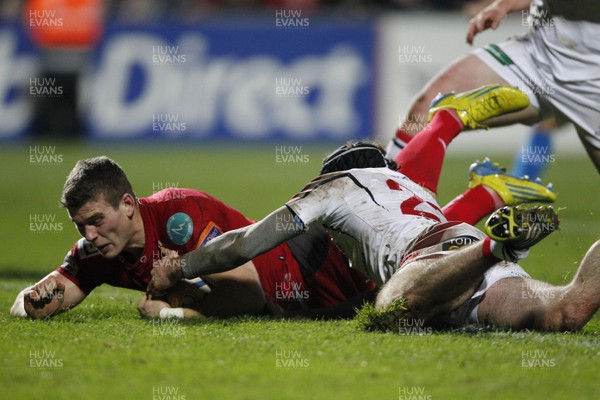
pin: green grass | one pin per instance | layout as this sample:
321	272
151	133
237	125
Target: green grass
103	350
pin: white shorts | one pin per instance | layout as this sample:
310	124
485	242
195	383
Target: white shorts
443	239
533	65
467	313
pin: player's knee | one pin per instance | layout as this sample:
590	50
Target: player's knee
402	286
573	317
422	102
410	299
564	317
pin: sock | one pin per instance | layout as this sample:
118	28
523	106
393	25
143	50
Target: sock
473	205
530	160
487	249
498	251
422	158
399	142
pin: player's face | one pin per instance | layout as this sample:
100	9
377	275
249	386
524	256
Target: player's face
109	229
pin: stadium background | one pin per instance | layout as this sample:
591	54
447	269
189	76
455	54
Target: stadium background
242	100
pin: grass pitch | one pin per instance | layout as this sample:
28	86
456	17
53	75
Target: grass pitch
103	350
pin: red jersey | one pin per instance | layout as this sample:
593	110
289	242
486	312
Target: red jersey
185	219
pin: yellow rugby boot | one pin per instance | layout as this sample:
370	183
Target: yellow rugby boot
512	190
478	105
520	228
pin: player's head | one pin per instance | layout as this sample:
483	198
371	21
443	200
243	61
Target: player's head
356	154
92	178
101	203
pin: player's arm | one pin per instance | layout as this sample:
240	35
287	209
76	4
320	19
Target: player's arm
227	251
155	308
235	292
50	296
492	15
239	246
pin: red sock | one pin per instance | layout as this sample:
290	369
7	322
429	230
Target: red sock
398	143
473	205
422	158
487	250
402	138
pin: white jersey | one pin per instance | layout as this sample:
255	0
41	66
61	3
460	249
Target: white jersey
569	48
373	215
557	62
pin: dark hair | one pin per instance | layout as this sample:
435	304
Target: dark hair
93	177
357	154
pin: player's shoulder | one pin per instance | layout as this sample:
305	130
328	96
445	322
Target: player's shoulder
172	200
81	254
362	176
184	216
169	195
84	250
379	172
338	181
167	202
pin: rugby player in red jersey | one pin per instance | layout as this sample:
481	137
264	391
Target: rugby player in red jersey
123	235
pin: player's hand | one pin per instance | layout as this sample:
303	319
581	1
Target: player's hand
44	299
489	17
150	308
166	272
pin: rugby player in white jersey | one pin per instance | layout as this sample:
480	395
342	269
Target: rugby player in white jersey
557	63
390	226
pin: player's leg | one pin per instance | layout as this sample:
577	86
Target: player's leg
464	74
520	303
444	281
430	287
422	159
531	159
590	148
491	187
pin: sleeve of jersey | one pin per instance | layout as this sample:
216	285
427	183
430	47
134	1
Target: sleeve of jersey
310	207
211	218
75	268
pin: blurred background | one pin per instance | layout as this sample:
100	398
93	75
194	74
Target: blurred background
253	71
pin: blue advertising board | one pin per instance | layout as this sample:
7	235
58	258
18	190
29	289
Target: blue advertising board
286	78
18	67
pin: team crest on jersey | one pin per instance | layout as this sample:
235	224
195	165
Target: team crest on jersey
458	242
180	228
86	249
209	233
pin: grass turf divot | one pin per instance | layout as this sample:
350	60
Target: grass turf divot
386	319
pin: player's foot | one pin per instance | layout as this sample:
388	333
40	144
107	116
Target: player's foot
519	228
478	105
512	190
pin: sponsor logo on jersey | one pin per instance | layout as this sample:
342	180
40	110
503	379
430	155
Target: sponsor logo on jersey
86	249
180	228
209	233
458	242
